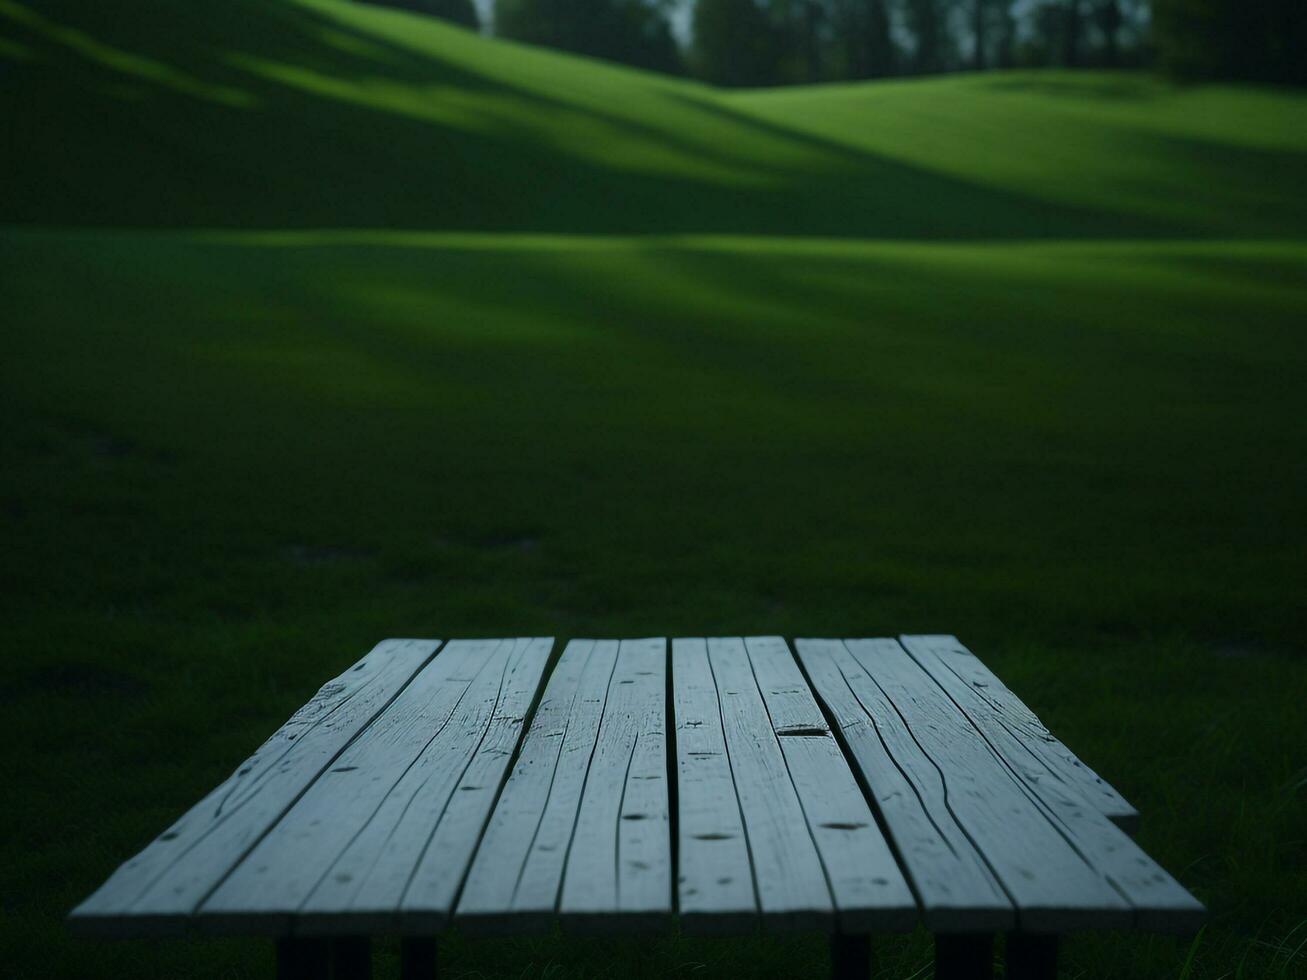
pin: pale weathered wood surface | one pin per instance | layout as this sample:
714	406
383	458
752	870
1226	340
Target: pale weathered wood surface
955	887
518	870
160	888
345	854
818	859
1071	796
715	889
428	893
868	889
1053	887
619	869
1063	865
429	899
791	883
997	710
385	803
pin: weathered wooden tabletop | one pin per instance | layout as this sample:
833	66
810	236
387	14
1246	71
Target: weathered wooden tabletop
386	804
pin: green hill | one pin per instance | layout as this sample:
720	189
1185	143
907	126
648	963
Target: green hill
313	113
323	323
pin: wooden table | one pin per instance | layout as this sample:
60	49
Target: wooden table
862	787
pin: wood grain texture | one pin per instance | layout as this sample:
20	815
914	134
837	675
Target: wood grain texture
1160	903
791	707
958	777
619	868
869	890
541	877
386	801
715	891
999	710
428	897
788	873
1052	884
516	876
342	858
158	891
957	890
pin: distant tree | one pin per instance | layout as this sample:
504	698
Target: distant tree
799	29
1073	25
1007	36
634	32
1257	40
925	21
979	11
1109	21
1039	40
864	28
811	19
457	11
734	43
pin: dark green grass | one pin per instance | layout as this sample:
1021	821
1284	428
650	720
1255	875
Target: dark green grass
232	463
1042	384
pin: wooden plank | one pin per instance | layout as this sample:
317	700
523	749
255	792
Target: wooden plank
1159	901
360	830
790	704
1052	885
533	857
791	883
429	901
955	887
265	892
619	876
487	904
868	888
159	889
715	891
424	891
1004	711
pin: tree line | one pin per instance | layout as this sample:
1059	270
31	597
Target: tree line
768	42
779	42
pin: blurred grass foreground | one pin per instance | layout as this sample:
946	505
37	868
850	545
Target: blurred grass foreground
324	322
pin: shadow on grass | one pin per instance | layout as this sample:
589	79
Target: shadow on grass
308	142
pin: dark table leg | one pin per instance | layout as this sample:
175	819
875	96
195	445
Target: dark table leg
964	956
417	958
351	958
1031	957
302	959
850	957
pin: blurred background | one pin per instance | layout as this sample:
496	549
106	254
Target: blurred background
327	321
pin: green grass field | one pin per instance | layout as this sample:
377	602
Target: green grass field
324	323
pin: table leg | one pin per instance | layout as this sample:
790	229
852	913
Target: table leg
964	956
